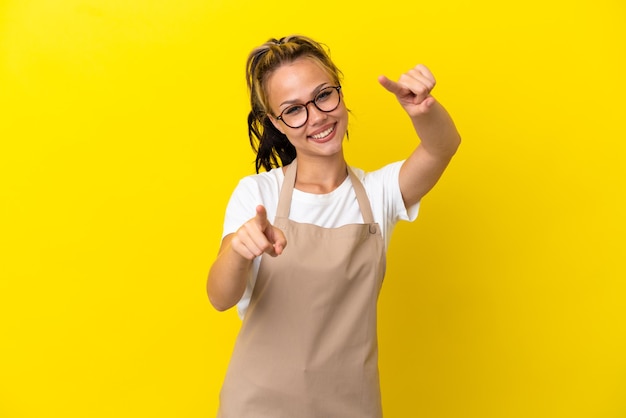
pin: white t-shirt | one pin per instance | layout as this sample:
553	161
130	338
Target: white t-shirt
332	210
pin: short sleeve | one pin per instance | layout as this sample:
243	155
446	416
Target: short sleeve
383	190
241	206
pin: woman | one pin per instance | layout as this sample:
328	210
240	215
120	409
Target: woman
303	249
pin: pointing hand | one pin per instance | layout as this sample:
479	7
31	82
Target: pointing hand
258	236
412	89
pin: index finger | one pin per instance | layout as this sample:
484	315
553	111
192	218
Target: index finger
391	86
261	217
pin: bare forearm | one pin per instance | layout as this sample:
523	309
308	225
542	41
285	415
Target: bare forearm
437	131
230	271
439	142
227	278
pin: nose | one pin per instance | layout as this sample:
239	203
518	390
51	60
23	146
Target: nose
315	115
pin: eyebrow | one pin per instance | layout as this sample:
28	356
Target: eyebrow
314	93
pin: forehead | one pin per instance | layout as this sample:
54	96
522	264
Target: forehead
296	80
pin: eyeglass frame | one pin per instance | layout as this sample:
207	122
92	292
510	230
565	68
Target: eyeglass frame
306	107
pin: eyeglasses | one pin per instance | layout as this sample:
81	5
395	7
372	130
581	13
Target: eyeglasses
326	100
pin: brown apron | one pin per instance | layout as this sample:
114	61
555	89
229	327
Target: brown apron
308	346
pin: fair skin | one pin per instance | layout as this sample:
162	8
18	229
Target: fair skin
321	163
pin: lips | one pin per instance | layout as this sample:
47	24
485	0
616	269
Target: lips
323	135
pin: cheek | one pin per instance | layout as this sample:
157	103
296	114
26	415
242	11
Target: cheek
294	135
342	112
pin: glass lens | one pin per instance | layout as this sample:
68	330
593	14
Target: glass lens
327	99
295	116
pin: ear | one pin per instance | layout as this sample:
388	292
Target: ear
277	124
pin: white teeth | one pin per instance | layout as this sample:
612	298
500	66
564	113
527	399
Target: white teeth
323	134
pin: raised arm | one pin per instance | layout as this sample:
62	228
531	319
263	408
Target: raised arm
439	138
229	273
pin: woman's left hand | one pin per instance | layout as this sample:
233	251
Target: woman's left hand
412	89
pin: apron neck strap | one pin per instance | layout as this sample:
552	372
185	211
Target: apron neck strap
286	191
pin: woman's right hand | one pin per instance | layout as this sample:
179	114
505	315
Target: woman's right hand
258	236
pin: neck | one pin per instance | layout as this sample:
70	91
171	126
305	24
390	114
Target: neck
320	176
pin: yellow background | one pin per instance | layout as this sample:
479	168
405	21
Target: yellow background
122	134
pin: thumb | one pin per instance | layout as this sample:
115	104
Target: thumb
279	242
428	102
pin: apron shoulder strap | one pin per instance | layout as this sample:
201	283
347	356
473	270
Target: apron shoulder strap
286	191
361	197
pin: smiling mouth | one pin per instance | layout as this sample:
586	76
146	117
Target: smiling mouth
324	134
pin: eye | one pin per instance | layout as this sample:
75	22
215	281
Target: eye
324	95
293	110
